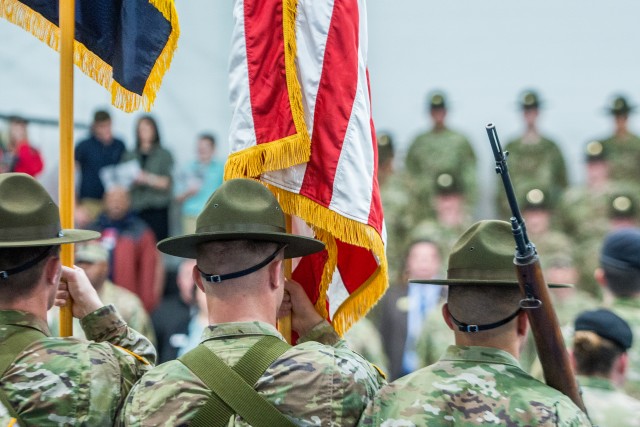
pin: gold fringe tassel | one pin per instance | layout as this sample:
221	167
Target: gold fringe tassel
291	150
91	64
327	225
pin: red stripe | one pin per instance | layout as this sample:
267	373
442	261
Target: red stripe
336	93
356	265
375	210
264	37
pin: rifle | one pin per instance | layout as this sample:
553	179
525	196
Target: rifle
537	300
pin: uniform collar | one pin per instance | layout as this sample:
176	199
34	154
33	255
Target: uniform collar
596	382
23	318
235	329
458	353
627	302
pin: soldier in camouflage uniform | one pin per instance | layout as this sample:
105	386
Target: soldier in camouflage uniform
363	338
535	158
50	381
623	147
619	272
239	245
434	152
600	347
477	381
93	258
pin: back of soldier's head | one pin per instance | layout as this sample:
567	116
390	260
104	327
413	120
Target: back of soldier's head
620	261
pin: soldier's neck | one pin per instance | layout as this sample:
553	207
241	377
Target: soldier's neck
244	310
36	305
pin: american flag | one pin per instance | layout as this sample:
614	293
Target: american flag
302	124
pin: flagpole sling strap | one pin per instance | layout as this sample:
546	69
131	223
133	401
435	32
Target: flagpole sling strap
232	388
11	348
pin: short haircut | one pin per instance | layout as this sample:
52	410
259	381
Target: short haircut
20	285
209	137
101	116
594	355
623	282
229	256
483	304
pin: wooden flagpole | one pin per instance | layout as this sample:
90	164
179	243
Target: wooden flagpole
284	323
66	166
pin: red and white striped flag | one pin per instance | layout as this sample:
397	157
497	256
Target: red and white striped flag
302	124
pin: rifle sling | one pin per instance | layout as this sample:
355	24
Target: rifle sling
232	388
11	348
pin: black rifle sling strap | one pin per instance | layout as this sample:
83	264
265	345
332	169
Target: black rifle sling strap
232	388
11	348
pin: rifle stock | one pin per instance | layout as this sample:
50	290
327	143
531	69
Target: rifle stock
550	345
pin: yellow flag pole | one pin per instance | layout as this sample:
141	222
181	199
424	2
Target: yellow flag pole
66	165
284	323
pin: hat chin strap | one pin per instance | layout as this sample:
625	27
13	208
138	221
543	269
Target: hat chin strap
217	278
4	274
464	327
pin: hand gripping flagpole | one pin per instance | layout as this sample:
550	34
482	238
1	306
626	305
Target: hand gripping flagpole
66	166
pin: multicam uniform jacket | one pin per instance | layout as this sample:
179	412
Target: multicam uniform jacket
72	382
629	310
471	386
608	406
319	382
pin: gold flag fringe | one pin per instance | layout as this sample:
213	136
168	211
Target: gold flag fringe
92	65
328	225
288	151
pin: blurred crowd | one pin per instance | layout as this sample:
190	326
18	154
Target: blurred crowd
429	200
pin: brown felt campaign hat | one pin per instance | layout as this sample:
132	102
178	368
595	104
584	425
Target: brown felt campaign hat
29	217
483	255
241	209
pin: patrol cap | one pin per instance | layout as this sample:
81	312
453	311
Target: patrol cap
606	324
483	255
621	249
622	205
91	253
529	100
594	151
620	105
448	183
437	100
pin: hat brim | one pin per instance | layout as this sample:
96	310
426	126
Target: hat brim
186	246
460	282
67	236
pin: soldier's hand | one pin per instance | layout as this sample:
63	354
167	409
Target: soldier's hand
303	314
74	283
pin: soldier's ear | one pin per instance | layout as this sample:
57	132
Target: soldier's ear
276	273
599	276
447	316
197	278
523	324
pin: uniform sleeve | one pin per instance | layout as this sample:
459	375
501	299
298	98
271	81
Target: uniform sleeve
135	353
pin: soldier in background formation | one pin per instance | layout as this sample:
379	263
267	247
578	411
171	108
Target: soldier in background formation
535	159
46	380
619	273
239	244
623	147
440	150
478	380
602	340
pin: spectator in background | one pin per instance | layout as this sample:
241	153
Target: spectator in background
172	317
600	359
151	191
92	154
93	258
20	155
135	263
200	179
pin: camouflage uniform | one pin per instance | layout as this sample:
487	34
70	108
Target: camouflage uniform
398	219
608	406
364	339
536	165
436	152
471	386
629	310
65	381
623	155
128	304
312	383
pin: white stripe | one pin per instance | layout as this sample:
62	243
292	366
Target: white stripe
353	182
336	294
241	133
312	29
